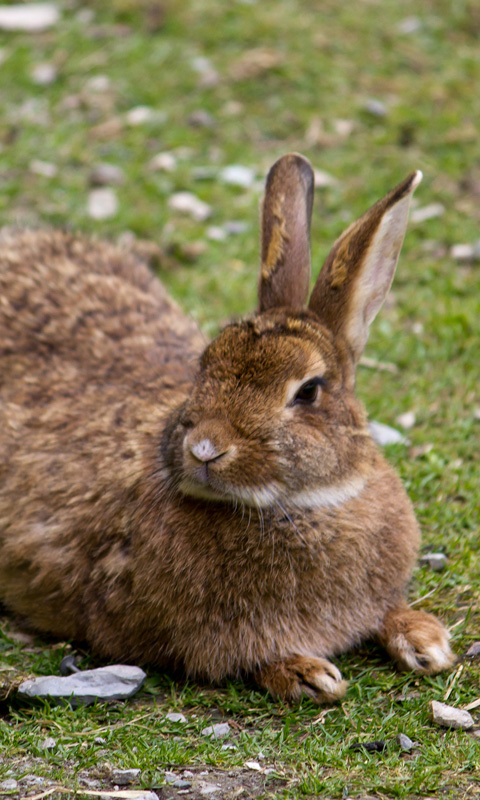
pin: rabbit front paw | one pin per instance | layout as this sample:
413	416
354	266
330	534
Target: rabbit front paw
295	676
417	641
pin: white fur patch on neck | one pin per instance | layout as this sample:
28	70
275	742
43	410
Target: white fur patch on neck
329	496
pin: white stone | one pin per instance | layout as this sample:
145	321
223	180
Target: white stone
218	731
164	162
140	115
98	83
44	168
188	203
323	179
209	788
216	233
175	717
409	25
44	74
427	212
106	173
436	561
102	204
406	420
451	717
48	744
384	434
253	765
238	175
466	252
30	17
9	785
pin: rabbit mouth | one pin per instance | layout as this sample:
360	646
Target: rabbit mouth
204	486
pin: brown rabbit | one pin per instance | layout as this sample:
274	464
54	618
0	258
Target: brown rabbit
221	510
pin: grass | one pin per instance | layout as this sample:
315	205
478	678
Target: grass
315	67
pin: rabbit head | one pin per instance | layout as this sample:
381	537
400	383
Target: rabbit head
272	418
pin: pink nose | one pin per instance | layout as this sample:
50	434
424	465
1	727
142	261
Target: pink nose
204	450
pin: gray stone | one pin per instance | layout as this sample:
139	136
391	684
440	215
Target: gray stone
104	174
117	682
181	784
10	785
384	434
209	789
466	252
30	17
450	717
175	717
436	561
473	650
43	168
375	107
122	777
405	742
218	731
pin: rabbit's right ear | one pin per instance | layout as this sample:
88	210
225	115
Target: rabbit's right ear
286	215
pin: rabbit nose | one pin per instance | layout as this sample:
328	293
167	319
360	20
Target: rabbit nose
205	451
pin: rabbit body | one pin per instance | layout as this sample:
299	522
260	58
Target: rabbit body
188	507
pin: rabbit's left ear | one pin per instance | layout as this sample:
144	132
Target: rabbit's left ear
286	215
359	270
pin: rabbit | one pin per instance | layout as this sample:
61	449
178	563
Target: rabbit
220	510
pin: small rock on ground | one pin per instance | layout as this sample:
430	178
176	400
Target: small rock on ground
102	204
383	434
122	777
176	717
116	682
405	742
30	17
436	561
219	731
10	785
451	717
188	203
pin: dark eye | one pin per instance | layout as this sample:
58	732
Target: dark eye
307	394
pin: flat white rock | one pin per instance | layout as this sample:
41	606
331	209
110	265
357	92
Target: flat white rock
117	682
238	175
451	717
188	203
102	203
30	17
384	434
218	731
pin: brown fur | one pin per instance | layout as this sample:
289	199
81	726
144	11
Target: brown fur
117	529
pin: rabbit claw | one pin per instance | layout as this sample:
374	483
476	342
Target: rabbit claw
292	677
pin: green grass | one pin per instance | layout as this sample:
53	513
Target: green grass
326	60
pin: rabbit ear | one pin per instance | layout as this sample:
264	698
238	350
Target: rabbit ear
286	215
358	273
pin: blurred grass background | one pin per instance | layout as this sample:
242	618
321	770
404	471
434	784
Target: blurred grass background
368	91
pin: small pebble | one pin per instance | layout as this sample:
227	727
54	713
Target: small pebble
218	731
122	777
384	434
98	83
466	252
102	204
436	561
44	74
409	25
141	115
406	420
44	168
238	175
30	17
188	203
216	233
229	747
163	162
201	119
375	107
324	179
181	784
405	742
473	650
253	765
209	788
10	785
427	212
48	744
451	717
99	740
104	174
236	227
176	717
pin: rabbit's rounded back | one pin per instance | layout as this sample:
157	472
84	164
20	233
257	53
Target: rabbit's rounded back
213	510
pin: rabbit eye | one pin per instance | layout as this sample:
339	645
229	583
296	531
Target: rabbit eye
308	392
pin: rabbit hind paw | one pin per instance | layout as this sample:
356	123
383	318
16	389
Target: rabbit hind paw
292	677
417	641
